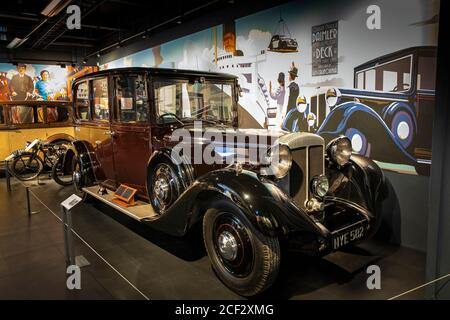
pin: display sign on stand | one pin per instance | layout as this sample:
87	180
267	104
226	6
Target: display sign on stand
124	195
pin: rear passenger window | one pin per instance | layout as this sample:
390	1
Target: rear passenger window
100	99
57	114
82	101
131	99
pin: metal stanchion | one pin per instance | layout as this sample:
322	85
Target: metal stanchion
27	191
68	241
8	177
66	207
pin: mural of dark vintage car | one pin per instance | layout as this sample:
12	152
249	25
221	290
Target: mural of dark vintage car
281	43
388	115
315	199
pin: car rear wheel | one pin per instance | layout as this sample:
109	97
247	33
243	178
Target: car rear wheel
244	259
403	129
80	179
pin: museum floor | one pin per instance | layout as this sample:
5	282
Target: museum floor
131	261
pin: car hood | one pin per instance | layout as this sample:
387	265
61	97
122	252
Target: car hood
249	144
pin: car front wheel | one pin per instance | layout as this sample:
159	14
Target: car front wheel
244	259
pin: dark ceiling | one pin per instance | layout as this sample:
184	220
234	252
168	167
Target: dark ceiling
105	25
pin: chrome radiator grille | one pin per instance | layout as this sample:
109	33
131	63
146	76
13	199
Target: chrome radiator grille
307	162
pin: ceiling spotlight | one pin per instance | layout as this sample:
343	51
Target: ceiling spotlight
98	55
84	61
54	7
14	43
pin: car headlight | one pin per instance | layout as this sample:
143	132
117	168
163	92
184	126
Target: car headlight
319	186
280	161
301	104
340	150
332	97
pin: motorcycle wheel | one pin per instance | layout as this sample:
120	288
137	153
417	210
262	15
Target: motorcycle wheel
27	166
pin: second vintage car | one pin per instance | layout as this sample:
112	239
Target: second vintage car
297	192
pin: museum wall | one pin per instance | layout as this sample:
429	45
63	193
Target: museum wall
313	46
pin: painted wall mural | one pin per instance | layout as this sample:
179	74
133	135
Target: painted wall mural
316	66
38	82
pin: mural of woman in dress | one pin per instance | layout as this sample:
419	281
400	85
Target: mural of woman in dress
279	96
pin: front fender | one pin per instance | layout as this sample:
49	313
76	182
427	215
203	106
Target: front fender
263	203
361	182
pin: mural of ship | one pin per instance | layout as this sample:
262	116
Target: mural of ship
235	62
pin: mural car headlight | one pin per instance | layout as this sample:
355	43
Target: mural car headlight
319	186
301	104
339	150
280	161
332	97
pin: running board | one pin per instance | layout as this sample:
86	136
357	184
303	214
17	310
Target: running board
139	211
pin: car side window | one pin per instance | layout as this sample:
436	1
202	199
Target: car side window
131	98
82	111
57	114
100	99
23	114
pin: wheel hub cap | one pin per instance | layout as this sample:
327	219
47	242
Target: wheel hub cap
403	130
161	189
227	245
77	177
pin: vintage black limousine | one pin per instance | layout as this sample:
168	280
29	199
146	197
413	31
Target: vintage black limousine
299	192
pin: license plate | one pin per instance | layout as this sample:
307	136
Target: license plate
351	235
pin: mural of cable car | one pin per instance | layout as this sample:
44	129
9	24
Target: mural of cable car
282	40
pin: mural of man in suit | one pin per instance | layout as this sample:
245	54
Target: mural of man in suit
21	84
292	115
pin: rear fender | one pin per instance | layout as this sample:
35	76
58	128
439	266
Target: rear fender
85	154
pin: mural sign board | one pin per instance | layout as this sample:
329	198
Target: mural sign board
324	40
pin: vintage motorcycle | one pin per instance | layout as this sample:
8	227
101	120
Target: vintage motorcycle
39	156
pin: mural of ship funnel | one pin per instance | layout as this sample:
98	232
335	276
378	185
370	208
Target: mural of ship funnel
318	66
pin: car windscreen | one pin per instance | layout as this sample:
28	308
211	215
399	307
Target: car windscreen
193	101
